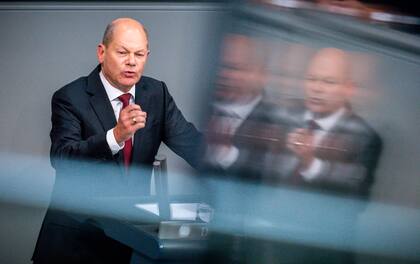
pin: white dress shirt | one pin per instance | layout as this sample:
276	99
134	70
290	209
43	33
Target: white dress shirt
236	114
326	124
113	94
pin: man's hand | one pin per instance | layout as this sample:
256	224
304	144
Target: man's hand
301	142
131	119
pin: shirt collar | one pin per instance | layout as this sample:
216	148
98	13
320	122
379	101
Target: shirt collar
326	123
112	92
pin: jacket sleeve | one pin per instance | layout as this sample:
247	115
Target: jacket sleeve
67	141
180	135
354	171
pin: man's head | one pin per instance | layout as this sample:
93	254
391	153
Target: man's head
327	83
241	76
123	52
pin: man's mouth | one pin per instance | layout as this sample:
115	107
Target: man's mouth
129	74
316	100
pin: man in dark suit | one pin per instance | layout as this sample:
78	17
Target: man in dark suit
317	143
326	145
106	130
322	146
239	108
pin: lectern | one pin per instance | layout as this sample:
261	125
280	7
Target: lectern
161	235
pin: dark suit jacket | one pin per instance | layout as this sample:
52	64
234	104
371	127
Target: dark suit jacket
86	168
350	149
247	139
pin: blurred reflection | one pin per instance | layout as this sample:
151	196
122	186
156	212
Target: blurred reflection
315	142
239	108
327	145
400	15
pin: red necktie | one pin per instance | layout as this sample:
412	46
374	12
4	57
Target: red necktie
313	125
128	144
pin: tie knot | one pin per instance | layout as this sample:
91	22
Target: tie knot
125	99
313	125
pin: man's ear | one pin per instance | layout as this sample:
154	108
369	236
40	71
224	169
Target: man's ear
100	52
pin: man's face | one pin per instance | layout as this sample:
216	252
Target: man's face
240	77
327	87
123	59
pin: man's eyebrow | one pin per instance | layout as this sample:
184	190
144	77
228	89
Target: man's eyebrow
127	49
118	46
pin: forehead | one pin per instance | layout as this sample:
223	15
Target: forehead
238	48
242	52
328	65
129	37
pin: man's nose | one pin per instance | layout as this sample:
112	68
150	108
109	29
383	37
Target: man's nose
131	60
317	86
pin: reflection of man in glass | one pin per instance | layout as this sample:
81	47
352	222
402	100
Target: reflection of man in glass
324	145
328	145
239	104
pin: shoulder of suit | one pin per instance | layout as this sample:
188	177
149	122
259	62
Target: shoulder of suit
356	124
152	86
76	87
149	81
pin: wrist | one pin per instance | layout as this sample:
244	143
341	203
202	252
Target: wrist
117	136
112	143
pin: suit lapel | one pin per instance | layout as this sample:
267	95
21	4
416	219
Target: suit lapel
101	105
341	123
100	102
142	99
336	139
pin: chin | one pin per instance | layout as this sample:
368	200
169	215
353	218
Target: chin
316	109
128	84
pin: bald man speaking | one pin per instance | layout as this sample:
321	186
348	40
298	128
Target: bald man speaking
114	119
